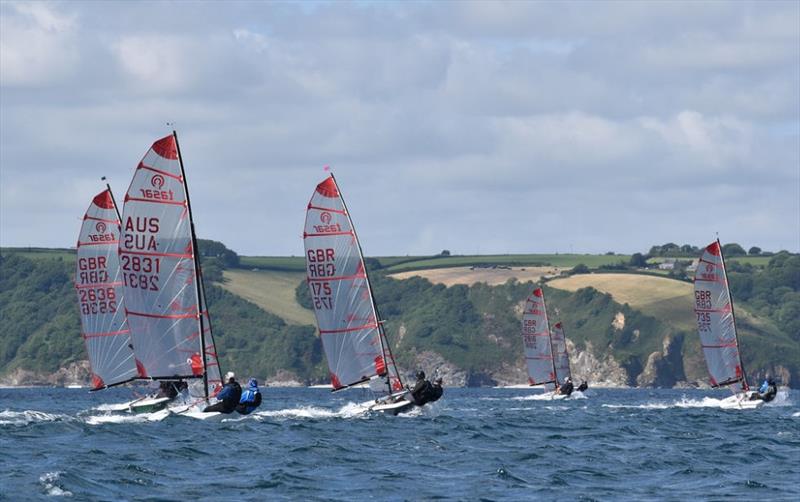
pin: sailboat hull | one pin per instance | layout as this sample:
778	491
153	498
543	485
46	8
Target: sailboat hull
401	406
740	402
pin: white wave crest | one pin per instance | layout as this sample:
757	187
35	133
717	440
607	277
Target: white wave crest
127	419
349	410
29	416
49	482
796	414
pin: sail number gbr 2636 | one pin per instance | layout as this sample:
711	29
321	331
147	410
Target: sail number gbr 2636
140	271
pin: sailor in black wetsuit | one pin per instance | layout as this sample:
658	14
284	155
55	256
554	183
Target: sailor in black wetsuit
767	391
436	390
566	388
422	389
583	386
228	397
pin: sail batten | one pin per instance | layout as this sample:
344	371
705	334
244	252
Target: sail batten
161	274
347	317
716	325
536	340
104	326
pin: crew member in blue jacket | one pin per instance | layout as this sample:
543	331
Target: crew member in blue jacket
228	397
767	391
251	398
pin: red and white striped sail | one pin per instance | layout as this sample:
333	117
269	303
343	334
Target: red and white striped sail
353	339
715	323
159	271
100	295
559	341
536	338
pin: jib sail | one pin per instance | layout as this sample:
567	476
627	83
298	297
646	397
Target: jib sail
351	332
536	338
559	341
100	295
713	309
170	324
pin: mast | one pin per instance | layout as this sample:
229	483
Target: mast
116	208
733	313
381	333
550	339
199	286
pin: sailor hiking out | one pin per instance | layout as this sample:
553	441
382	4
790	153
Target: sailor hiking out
767	391
251	398
228	397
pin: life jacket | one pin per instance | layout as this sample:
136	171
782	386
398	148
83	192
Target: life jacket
247	403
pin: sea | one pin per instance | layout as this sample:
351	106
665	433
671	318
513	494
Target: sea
474	444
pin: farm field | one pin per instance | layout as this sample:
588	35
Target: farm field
516	260
469	276
665	299
273	291
67	255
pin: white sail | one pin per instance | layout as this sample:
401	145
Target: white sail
166	310
100	295
352	336
559	341
536	339
715	321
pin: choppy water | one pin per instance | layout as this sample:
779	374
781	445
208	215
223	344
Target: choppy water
474	444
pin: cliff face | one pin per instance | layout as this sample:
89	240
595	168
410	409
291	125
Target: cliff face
664	368
76	373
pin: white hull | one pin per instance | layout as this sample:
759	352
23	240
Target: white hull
141	405
395	408
196	411
740	402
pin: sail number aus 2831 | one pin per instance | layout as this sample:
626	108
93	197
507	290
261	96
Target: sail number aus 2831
140	272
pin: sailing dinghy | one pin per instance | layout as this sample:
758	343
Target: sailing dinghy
716	324
98	283
352	333
540	353
163	283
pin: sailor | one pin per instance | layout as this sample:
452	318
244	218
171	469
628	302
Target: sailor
422	389
767	391
436	390
566	388
167	389
228	397
251	398
583	386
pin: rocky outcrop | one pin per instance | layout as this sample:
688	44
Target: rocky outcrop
281	378
600	371
433	364
665	368
76	373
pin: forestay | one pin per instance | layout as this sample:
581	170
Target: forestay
559	342
353	339
536	338
100	295
715	321
165	304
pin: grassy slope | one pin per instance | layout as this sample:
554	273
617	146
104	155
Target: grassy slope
273	291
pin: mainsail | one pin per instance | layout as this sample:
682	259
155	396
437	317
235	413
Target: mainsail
536	338
170	324
99	287
713	309
351	331
559	342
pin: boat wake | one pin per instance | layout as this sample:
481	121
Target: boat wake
781	399
349	410
549	396
29	417
127	418
49	481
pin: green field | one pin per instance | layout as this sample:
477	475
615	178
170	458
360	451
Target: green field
518	260
756	261
273	291
67	255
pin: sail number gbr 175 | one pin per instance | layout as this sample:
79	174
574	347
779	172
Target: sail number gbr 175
320	265
140	271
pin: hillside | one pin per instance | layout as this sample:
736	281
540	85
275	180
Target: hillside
624	329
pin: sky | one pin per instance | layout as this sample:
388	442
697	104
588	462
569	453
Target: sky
476	127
